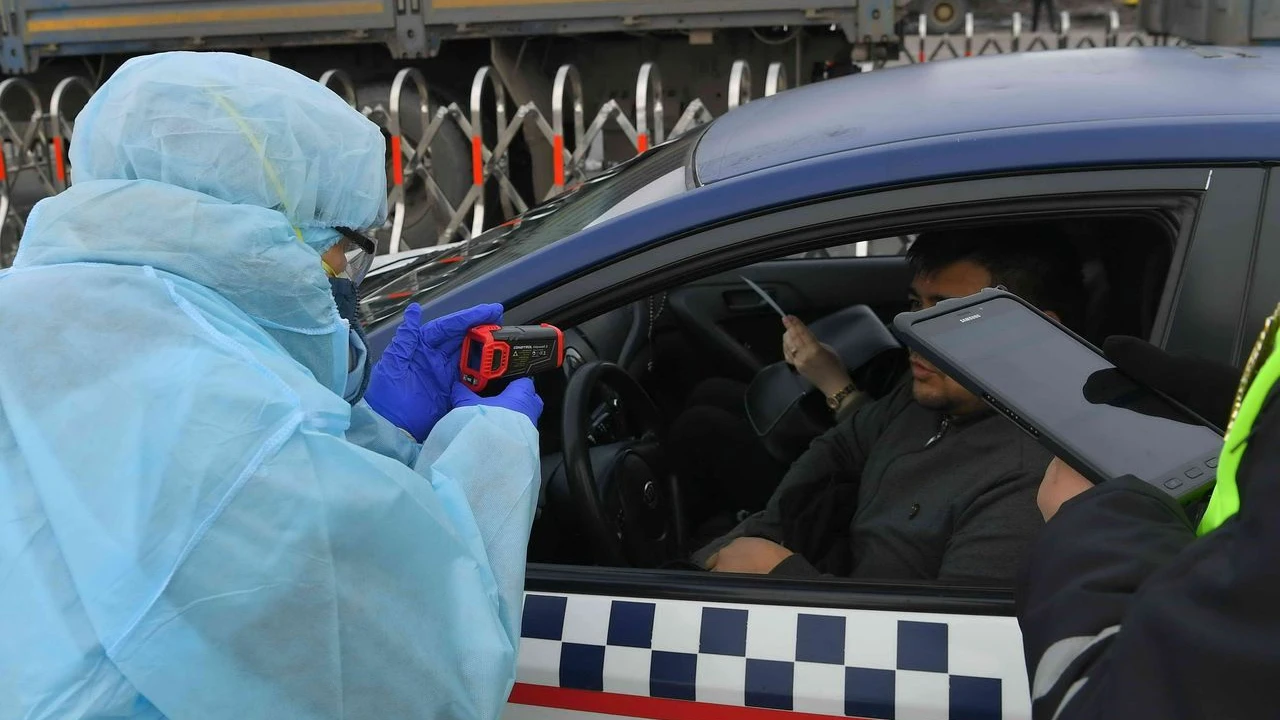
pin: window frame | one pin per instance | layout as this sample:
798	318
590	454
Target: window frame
685	258
771	235
1263	291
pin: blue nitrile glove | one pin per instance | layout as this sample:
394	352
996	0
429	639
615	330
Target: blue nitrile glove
412	384
519	396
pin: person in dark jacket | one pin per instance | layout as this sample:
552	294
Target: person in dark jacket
1132	606
925	483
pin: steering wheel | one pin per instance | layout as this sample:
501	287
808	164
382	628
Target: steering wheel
624	493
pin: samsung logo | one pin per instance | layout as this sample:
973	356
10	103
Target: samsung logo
974	316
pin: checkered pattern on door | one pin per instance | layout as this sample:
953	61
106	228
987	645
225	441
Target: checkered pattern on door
894	666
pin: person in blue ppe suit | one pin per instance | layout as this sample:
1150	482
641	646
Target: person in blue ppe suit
199	516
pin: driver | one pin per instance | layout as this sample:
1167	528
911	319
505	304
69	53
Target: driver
925	483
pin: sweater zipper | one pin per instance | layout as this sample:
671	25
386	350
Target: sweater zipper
942	430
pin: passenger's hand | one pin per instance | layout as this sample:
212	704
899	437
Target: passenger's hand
1060	484
748	555
412	385
816	361
518	396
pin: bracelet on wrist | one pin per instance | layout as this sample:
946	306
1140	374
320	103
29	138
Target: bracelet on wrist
834	401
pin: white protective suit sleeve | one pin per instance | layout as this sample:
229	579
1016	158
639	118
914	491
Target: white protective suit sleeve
373	432
237	629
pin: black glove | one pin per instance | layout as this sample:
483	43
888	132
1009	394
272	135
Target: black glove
1207	388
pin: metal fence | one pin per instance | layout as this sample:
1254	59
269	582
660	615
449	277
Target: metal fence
946	47
35	163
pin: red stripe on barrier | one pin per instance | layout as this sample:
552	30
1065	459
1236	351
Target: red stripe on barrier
397	162
59	162
650	708
4	170
642	142
477	161
557	148
922	52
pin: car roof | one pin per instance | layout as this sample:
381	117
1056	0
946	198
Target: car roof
967	100
1027	113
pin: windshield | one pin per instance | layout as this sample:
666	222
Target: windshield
631	185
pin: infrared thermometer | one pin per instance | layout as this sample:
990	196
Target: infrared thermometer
492	352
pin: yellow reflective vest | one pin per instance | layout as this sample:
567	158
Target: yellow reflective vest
1260	374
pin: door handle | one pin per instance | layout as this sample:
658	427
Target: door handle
745	300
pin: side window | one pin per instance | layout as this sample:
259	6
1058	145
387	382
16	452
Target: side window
735	428
890	246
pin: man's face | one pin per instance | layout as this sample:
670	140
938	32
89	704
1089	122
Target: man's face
931	388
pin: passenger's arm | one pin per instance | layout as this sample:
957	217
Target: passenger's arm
334	583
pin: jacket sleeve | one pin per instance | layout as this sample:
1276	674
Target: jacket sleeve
1082	580
335	582
842	451
1125	613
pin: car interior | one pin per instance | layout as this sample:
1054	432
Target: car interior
610	494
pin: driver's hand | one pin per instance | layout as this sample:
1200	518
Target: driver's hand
816	361
748	555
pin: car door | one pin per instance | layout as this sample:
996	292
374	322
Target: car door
651	644
618	652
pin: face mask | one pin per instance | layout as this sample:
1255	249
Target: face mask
348	302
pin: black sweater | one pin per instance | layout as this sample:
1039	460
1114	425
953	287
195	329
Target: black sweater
899	492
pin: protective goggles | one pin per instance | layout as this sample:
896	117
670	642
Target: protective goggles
359	250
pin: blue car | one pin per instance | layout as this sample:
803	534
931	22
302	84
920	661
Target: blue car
1158	163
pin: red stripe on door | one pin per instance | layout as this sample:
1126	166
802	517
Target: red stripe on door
650	708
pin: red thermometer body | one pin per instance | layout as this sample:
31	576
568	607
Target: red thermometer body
491	352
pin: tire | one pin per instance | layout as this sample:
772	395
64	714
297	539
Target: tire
944	17
450	162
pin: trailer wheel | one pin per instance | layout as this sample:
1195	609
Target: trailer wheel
449	160
944	16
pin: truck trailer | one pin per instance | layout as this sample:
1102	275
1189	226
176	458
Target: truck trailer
693	48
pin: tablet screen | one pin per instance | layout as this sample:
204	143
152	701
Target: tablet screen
1069	391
